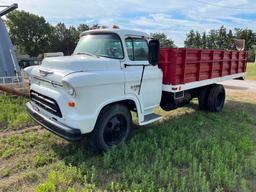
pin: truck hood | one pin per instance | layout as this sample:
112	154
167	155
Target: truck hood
56	68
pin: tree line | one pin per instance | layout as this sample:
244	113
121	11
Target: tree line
32	35
222	39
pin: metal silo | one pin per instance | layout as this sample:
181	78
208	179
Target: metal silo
9	68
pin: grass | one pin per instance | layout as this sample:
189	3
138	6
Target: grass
188	150
251	71
12	113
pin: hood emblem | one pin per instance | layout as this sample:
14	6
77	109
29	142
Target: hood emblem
44	73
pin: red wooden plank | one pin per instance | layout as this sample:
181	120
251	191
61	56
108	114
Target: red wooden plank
211	66
238	61
199	65
184	66
222	63
230	64
174	55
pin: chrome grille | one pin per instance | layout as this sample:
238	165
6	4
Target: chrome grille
46	103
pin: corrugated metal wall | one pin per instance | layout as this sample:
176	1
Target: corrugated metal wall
8	60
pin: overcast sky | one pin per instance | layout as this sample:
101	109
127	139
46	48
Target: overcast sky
174	17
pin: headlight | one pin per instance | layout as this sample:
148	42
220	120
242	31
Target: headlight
70	90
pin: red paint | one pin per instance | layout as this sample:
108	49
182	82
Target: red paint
183	65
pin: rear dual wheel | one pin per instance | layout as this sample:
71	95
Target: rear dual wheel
212	98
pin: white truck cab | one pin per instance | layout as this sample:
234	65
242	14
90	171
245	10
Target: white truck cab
110	73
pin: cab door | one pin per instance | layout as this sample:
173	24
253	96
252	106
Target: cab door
141	78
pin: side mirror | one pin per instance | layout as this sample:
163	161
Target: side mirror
153	52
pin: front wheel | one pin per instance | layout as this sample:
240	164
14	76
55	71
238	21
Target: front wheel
113	127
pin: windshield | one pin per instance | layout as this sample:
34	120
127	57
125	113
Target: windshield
103	45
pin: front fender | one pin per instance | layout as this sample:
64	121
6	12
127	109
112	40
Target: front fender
130	97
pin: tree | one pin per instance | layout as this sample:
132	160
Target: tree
190	40
64	39
197	40
230	41
72	39
83	27
211	40
204	41
215	39
29	32
58	38
164	41
250	38
247	35
221	38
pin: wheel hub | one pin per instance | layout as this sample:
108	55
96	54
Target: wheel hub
115	130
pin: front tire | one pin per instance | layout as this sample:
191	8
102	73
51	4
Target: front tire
112	128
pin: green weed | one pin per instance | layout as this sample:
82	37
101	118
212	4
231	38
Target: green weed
13	113
251	71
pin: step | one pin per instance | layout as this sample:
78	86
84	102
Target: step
150	118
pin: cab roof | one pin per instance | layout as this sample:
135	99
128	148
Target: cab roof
120	32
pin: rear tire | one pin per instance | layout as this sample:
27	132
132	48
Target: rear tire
216	98
203	98
112	128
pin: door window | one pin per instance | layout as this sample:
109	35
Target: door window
137	49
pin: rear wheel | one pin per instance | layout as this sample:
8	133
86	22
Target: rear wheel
113	127
216	98
203	98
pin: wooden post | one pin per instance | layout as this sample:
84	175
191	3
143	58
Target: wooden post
13	91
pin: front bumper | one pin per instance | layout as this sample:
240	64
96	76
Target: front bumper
66	132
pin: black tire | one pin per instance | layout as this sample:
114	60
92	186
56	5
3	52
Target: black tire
216	98
203	98
112	128
167	102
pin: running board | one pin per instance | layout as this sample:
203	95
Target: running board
150	118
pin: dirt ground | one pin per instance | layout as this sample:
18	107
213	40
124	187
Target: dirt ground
240	85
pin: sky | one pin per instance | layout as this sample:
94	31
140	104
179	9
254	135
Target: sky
173	17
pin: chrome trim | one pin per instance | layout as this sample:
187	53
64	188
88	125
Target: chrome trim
53	83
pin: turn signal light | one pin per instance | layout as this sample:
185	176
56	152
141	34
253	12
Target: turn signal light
71	104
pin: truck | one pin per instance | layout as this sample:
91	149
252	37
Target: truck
114	72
